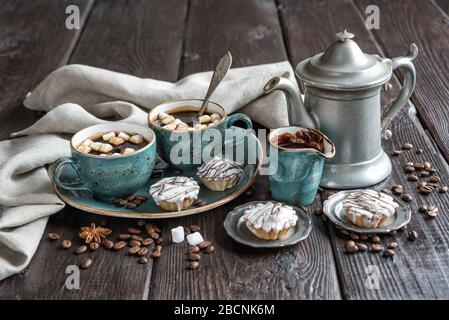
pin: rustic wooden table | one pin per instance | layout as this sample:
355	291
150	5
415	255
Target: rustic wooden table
173	38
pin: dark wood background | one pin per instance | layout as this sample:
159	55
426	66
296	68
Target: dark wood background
173	38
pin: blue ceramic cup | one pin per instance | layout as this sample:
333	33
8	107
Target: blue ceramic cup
184	149
111	176
299	170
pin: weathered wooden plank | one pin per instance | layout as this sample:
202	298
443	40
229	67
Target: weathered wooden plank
421	22
444	5
33	42
419	269
251	31
123	36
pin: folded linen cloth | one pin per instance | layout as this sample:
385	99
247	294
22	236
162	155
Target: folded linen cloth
77	96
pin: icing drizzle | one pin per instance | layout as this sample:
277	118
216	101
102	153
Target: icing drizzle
271	216
175	190
220	169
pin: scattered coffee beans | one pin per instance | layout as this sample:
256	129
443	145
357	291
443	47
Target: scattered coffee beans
318	211
53	236
362	247
156	254
193	249
419	151
193	265
423	208
406	197
443	189
135	243
194	257
209	249
393	245
396	153
134	230
143	251
432	211
412	235
81	249
86	263
147	242
94	246
407	146
108	244
119	245
412	178
143	260
375	239
388	253
204	244
133	250
195	229
377	247
66	244
200	203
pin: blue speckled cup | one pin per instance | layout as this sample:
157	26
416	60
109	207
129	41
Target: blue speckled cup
112	176
298	173
186	141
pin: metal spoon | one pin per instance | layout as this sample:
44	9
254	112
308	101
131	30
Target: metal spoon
219	73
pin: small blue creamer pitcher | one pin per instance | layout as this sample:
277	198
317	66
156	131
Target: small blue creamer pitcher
296	177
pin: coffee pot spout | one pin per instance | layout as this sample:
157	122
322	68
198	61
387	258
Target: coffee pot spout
297	112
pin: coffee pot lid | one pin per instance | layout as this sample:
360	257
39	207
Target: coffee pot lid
344	66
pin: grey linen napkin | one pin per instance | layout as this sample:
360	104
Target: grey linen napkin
78	96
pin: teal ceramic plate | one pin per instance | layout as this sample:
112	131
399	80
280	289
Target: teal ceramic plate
149	209
236	228
333	209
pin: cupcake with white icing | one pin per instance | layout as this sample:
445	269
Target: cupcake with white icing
175	193
220	174
369	208
270	220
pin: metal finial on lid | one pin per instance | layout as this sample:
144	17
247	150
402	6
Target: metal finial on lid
345	35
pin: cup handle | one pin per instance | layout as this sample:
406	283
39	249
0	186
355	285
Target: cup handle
58	168
240	117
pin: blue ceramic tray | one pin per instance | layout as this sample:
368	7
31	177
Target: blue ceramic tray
84	201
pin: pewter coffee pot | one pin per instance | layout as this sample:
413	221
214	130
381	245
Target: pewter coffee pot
342	99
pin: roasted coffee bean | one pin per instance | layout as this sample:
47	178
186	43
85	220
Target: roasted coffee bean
186	231
412	235
149	228
195	228
86	263
422	184
396	186
393	245
94	246
137	202
193	249
143	251
318	211
158	247
157	229
156	254
352	249
375	239
147	242
66	244
133	250
135	243
131	198
418	166
426	189
158	240
423	208
108	244
409	169
396	153
412	178
427	165
136	237
434	179
363	237
154	235
204	244
406	197
81	249
53	236
194	257
407	146
141	198
354	236
345	232
209	249
432	170
140	223
403	228
134	230
116	200
123	202
200	203
193	265
377	247
432	211
143	260
385	190
425	173
398	191
119	245
249	192
131	205
409	164
388	253
349	243
362	247
442	189
419	151
124	236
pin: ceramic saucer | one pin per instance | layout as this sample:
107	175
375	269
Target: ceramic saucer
333	209
236	228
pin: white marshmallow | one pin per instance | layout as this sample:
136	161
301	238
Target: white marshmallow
177	234
215	117
162	116
194	238
105	148
123	135
128	151
171	126
108	136
200	126
96	146
84	149
204	119
136	139
87	143
116	141
168	119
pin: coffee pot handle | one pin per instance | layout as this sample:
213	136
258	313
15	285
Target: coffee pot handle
406	64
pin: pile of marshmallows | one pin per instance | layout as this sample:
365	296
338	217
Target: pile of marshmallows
104	148
169	122
194	239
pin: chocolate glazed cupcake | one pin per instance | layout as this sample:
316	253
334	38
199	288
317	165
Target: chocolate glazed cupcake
220	174
175	193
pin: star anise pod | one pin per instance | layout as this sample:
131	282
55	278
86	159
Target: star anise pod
94	233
